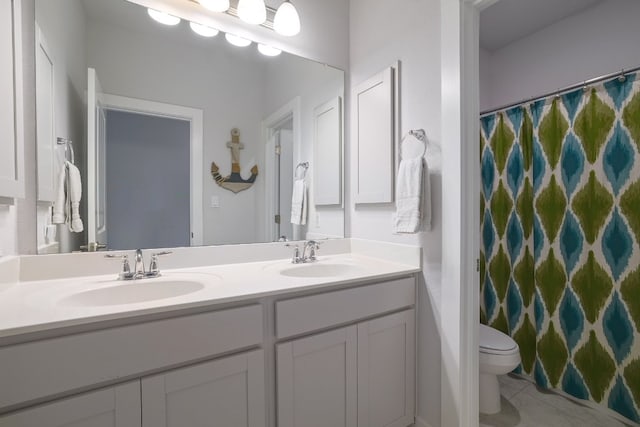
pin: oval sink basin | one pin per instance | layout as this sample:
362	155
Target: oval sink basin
320	270
133	292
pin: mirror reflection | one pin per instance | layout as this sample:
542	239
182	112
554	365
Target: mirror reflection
153	135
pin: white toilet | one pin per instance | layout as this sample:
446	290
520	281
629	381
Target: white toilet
499	355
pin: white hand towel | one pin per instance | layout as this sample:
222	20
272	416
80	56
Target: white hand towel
66	208
409	189
59	205
75	194
299	202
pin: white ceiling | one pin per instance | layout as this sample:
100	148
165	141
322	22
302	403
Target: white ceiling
510	20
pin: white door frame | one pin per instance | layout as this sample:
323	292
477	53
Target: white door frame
291	109
460	316
196	119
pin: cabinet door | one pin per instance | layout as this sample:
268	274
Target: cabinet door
374	130
386	371
117	406
11	103
227	392
317	380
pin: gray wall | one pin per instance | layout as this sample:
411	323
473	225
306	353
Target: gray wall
148	188
600	40
63	25
409	32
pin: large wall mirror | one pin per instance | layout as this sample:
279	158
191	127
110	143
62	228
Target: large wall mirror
176	139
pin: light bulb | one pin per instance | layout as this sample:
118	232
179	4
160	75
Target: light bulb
268	50
163	18
237	40
252	11
215	5
287	21
203	30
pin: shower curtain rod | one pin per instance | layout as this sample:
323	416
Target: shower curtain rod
585	83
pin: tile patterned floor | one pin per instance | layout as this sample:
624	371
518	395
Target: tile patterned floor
525	405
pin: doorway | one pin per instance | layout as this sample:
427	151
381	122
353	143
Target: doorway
281	131
167	116
147	183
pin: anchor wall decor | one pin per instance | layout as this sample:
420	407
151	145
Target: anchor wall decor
234	182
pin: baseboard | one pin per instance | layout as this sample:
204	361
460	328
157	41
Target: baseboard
421	423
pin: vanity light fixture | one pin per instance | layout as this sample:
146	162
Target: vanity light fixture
268	50
162	17
215	5
252	11
203	30
287	20
237	40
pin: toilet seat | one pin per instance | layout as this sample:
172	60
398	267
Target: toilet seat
495	342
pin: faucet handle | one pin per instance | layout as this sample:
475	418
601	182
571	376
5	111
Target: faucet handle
313	246
296	253
154	270
125	271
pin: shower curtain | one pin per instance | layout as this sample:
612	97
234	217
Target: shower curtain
560	233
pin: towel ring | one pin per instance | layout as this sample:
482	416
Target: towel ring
68	148
304	166
420	135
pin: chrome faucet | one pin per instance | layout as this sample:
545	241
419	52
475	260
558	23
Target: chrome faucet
139	265
139	271
311	246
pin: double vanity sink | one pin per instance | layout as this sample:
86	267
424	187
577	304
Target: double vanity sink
172	285
230	341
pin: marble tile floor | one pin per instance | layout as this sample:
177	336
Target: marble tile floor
525	405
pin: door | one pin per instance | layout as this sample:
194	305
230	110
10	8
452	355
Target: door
386	371
117	406
45	125
228	392
285	181
317	380
148	155
96	164
279	177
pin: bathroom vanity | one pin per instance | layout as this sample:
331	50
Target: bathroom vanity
259	343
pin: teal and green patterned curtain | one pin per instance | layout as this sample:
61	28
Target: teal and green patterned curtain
560	227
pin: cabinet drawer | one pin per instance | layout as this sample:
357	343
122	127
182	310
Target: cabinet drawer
117	406
44	368
301	315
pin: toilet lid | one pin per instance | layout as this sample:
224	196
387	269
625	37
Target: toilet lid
495	342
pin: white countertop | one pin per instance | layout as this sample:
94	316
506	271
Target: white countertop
43	306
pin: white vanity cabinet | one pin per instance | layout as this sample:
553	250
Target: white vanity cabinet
226	388
317	380
228	392
362	375
335	358
117	406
